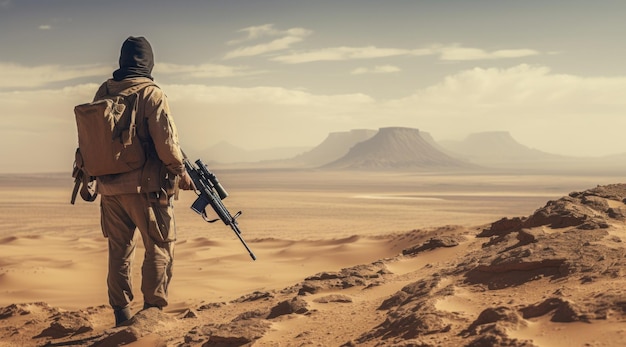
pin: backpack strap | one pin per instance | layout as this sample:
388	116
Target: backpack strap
88	190
131	93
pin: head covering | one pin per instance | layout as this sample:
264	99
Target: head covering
136	59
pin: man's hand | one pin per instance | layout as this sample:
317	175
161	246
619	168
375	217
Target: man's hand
185	182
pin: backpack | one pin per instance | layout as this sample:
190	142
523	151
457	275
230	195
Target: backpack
107	139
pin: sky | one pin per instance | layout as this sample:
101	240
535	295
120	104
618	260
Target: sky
262	74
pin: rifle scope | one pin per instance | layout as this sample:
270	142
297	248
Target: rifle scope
214	181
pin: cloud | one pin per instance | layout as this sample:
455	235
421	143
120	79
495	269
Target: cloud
273	46
447	53
204	70
45	27
345	53
255	32
457	53
21	76
283	40
522	86
375	70
286	38
18	76
263	95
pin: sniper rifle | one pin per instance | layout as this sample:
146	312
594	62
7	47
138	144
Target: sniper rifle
211	192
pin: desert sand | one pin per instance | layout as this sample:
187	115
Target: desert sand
344	259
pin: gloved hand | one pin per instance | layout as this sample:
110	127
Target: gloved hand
185	182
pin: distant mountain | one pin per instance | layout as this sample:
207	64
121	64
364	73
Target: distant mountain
494	146
335	146
224	152
426	136
499	149
397	148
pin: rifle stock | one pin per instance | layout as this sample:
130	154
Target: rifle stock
211	192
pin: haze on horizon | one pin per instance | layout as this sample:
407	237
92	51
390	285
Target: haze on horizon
283	73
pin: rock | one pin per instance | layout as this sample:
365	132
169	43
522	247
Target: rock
433	243
396	299
255	296
239	333
211	305
500	314
491	340
150	320
568	312
617	213
503	226
541	309
408	324
333	298
67	324
250	315
14	310
188	314
295	305
360	275
595	202
119	338
411	292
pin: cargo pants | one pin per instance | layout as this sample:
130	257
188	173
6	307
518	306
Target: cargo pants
121	216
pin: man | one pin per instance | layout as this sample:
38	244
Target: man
142	198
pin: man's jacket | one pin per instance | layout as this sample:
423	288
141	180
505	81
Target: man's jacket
157	131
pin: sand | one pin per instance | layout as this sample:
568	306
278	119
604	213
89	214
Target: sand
343	259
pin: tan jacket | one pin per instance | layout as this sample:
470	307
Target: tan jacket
155	128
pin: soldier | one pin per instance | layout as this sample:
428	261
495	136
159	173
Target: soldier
142	198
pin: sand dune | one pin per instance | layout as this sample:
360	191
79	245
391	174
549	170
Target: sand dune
68	272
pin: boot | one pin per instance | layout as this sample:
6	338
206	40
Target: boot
121	315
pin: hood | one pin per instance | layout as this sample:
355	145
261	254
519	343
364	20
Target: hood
136	59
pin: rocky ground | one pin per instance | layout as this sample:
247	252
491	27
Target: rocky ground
554	278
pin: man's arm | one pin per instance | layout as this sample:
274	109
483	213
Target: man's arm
163	131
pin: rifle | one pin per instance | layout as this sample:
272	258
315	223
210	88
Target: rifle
211	192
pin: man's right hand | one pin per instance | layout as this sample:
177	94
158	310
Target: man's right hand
185	182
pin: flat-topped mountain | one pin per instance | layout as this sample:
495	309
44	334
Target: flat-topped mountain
496	146
397	148
335	146
498	149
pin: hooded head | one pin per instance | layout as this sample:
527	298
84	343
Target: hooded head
136	59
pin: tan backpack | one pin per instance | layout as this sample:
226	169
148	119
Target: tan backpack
107	138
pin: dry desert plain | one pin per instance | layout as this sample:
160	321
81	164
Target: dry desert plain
344	258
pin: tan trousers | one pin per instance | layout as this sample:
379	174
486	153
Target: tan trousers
121	216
